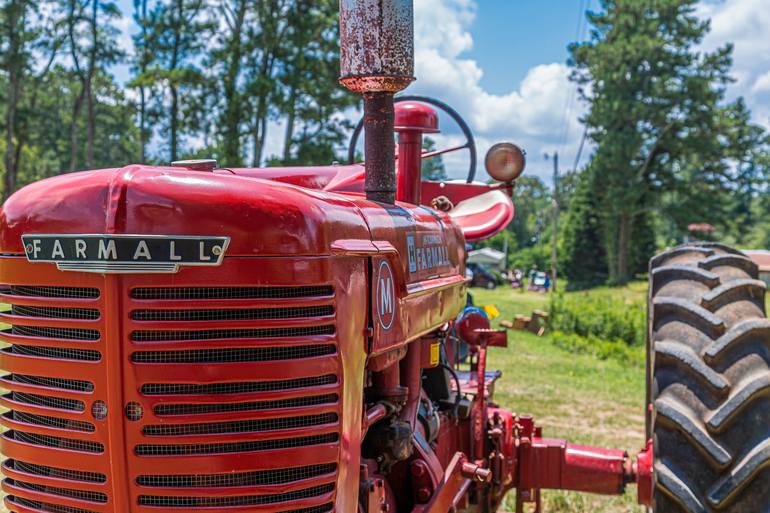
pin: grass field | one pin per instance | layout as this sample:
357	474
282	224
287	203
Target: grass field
575	397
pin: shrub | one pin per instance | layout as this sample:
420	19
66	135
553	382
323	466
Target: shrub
602	349
599	317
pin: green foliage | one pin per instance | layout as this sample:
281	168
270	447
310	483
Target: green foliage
432	169
665	137
603	317
583	257
536	257
209	78
600	348
533	203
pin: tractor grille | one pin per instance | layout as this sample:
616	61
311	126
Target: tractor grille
223	383
279	332
56	330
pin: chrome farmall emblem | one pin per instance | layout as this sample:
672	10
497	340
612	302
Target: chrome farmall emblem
102	253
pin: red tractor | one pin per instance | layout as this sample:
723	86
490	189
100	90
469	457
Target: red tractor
284	340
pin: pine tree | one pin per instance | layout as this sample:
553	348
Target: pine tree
583	258
654	101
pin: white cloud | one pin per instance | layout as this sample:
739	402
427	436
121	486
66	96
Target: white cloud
762	84
744	23
531	114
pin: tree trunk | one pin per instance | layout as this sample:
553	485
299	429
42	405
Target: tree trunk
142	99
263	137
257	132
233	113
174	125
623	249
72	20
291	117
10	160
15	15
74	136
91	122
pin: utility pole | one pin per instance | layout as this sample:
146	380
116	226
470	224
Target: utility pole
555	215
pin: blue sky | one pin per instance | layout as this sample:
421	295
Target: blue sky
538	31
502	65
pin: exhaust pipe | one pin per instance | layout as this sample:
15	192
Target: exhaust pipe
377	61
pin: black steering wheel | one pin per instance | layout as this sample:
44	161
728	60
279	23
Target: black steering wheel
470	142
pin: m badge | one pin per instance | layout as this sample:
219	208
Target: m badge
124	253
385	296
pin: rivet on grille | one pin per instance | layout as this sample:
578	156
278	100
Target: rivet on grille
134	411
99	410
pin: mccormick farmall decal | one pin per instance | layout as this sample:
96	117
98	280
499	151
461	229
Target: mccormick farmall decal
124	253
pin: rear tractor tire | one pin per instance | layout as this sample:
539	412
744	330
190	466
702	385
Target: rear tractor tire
709	382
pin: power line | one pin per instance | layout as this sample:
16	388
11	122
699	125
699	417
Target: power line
580	30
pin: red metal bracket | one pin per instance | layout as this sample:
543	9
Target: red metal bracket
644	478
555	464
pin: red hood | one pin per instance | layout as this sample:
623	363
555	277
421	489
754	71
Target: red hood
262	217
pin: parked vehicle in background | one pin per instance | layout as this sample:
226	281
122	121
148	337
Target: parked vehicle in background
482	276
540	282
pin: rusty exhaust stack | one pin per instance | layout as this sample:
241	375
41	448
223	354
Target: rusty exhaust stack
377	61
